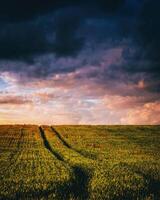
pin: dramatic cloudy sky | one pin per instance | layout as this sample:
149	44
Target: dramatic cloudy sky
80	62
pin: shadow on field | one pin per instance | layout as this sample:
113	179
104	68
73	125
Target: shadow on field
76	187
80	184
153	186
48	146
65	143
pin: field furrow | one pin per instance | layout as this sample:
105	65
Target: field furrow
35	173
77	186
80	162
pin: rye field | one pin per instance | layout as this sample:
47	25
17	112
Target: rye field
80	162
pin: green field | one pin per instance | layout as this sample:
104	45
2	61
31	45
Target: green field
80	162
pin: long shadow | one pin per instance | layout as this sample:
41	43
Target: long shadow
152	187
76	188
65	143
78	184
48	146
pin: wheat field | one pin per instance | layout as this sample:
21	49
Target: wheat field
80	162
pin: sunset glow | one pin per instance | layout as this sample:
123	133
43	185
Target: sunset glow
78	63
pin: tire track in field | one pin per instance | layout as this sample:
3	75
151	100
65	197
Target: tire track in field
61	138
48	146
65	143
78	184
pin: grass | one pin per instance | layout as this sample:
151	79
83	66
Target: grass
80	162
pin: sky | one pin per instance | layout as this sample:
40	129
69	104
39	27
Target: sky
80	62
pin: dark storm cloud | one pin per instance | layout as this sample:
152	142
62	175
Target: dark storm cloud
50	34
149	29
19	41
22	37
67	42
142	56
141	50
59	30
17	10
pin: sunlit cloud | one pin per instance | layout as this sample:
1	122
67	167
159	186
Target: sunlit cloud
69	65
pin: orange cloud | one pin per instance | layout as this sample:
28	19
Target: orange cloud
14	100
149	113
